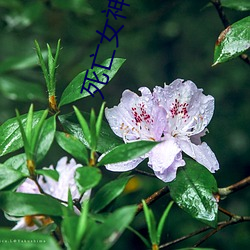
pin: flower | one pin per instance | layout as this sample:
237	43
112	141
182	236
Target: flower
177	115
189	112
58	189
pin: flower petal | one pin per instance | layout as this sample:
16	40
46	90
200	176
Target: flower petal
21	225
66	179
137	117
165	158
201	153
196	139
189	110
29	187
59	189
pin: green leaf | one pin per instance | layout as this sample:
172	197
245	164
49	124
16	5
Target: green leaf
108	193
73	146
24	137
10	136
47	229
18	90
53	174
195	248
107	139
37	131
99	121
42	64
84	125
233	41
9	176
70	201
20	204
143	239
87	177
73	90
105	235
241	5
18	162
28	127
82	223
151	223
193	191
92	127
74	228
52	65
69	230
16	240
46	137
20	62
127	152
162	221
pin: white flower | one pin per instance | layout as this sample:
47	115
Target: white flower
188	113
177	115
58	189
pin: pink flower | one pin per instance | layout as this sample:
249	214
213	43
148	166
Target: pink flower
58	189
177	115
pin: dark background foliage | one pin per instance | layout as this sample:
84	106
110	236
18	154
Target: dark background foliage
161	41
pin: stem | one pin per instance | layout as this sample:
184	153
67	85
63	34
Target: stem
42	192
224	192
152	198
235	220
226	23
224	211
144	173
185	237
31	167
52	104
222	15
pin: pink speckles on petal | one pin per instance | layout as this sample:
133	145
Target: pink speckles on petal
134	118
140	114
179	109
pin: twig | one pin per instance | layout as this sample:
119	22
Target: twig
222	15
226	23
223	192
224	211
152	198
204	229
235	220
144	173
42	192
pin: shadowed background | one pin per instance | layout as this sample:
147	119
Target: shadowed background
161	41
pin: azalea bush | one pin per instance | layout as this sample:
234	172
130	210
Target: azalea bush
86	199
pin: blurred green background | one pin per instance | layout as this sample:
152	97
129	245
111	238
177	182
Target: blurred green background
161	41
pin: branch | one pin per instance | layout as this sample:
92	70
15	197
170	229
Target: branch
185	237
226	23
224	211
223	192
235	220
222	15
152	198
144	173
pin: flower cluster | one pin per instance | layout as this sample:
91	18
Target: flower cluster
58	189
177	115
